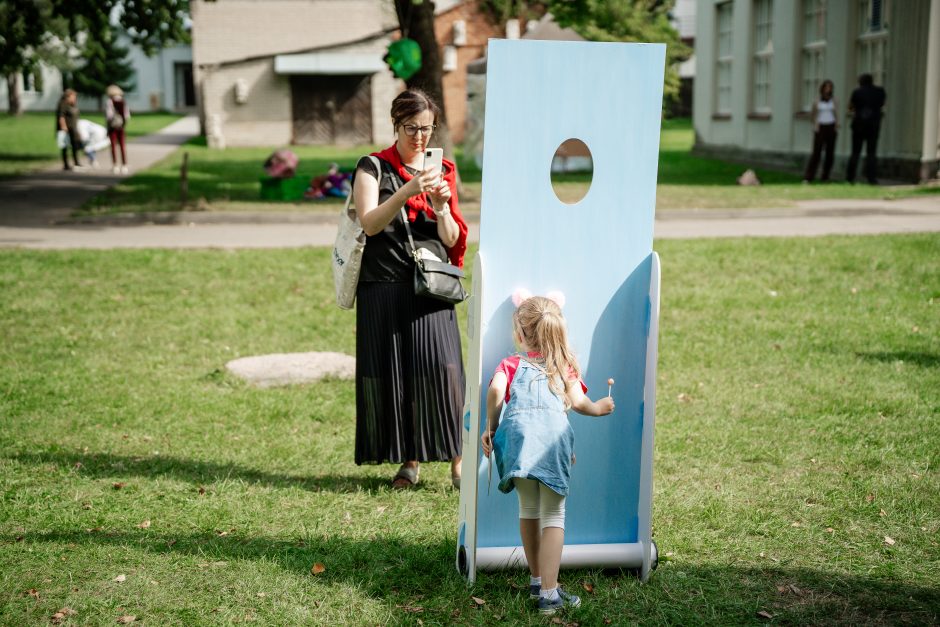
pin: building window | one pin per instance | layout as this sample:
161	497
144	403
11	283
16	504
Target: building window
813	60
762	56
32	79
723	59
872	45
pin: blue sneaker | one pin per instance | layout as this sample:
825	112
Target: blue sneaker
564	600
534	590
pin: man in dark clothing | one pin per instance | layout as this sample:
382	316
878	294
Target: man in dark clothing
66	119
865	108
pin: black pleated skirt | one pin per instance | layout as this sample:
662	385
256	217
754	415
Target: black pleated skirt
409	376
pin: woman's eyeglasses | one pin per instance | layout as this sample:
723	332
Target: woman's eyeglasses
411	130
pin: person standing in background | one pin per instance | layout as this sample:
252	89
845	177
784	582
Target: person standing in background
825	130
865	109
117	114
66	122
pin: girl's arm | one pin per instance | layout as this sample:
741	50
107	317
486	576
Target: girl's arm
494	406
585	406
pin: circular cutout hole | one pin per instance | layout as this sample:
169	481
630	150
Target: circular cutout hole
572	171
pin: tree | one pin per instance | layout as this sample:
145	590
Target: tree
23	25
105	62
29	26
608	20
416	20
626	20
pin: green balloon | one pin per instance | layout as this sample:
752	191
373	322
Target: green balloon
404	58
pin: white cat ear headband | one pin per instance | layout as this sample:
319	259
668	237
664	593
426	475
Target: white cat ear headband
522	294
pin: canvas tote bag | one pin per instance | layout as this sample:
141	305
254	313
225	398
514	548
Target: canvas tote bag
347	251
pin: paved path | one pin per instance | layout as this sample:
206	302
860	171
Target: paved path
808	218
40	199
240	230
35	210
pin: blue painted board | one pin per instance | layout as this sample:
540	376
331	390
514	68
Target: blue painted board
598	252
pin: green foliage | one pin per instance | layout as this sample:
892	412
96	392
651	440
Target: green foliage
22	26
502	10
105	62
25	25
153	24
626	20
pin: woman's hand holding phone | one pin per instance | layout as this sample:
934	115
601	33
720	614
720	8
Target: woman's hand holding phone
421	182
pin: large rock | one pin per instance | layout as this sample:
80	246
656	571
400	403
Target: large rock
291	368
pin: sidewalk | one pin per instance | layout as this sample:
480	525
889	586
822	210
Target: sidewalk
35	212
294	229
40	199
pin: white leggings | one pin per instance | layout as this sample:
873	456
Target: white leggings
538	501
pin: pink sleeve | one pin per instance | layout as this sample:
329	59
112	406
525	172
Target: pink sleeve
508	367
572	375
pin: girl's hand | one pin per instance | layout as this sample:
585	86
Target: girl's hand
487	440
422	182
605	406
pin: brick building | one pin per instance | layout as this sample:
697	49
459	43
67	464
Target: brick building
462	30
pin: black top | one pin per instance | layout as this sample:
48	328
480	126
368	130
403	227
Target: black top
69	112
387	256
867	102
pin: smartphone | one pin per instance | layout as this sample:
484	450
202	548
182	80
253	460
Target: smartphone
434	157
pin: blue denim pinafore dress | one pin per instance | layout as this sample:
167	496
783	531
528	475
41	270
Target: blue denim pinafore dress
534	439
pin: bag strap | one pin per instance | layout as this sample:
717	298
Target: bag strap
396	184
404	217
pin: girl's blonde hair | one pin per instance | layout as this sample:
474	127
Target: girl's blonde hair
539	323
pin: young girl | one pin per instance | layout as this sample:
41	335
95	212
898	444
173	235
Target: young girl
534	443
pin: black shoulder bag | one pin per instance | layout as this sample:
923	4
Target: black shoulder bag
434	279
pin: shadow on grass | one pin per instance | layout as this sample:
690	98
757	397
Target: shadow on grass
33	156
99	465
917	358
381	567
391	567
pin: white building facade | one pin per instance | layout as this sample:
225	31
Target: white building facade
759	64
164	82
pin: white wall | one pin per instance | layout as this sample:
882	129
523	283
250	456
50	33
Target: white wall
154	76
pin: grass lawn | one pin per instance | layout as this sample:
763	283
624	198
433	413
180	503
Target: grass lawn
796	453
28	143
228	180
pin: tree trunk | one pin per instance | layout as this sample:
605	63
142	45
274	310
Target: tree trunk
417	22
13	94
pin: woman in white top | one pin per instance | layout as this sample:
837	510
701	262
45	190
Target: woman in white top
825	129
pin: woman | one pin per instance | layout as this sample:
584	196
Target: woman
117	114
825	128
409	368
